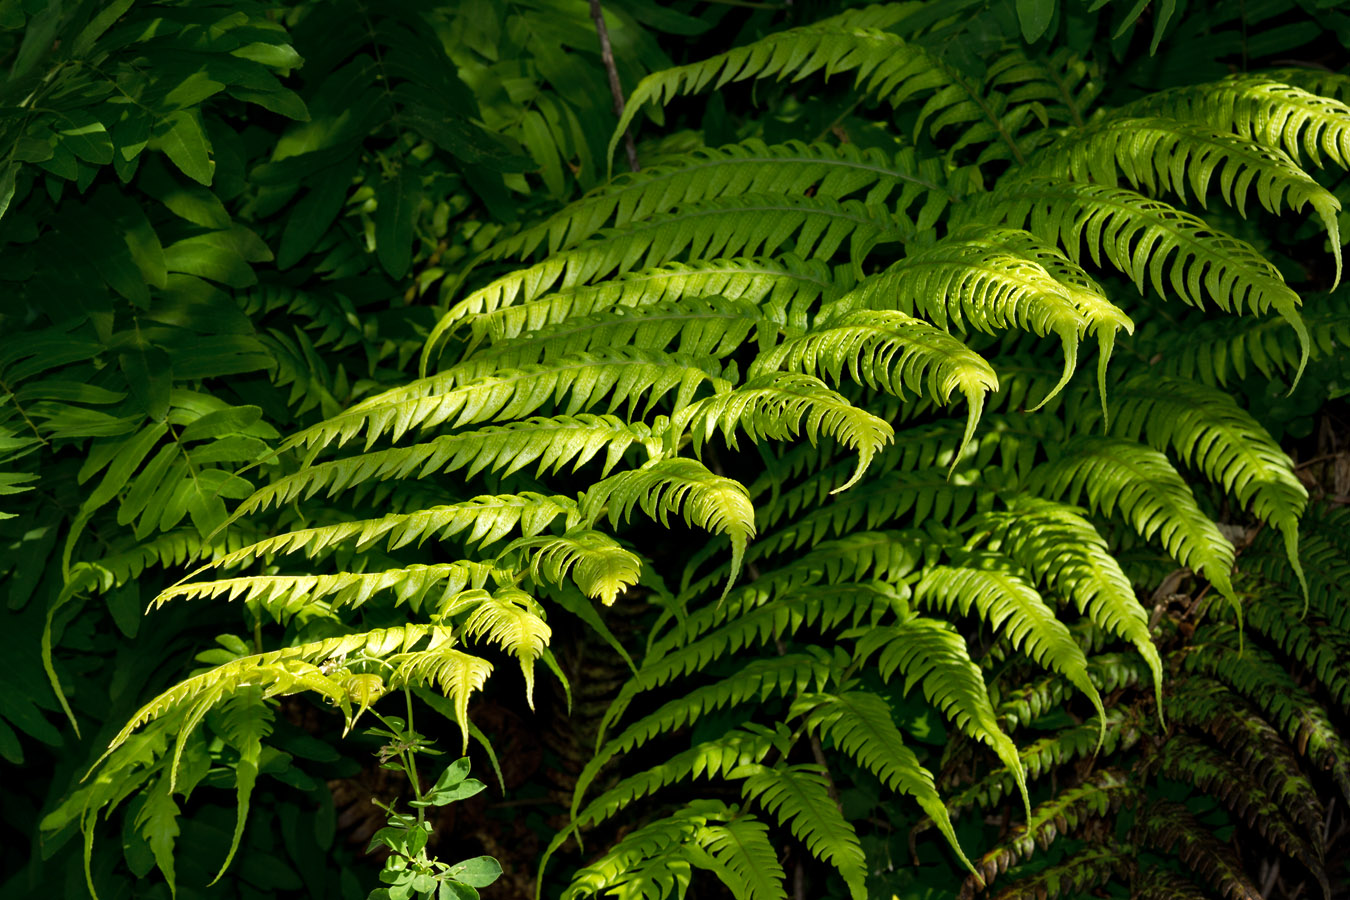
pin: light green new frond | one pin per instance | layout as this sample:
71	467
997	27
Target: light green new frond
486	518
1155	153
245	720
860	725
457	673
1062	549
931	653
783	287
1105	319
713	327
1206	428
781	405
1259	108
601	567
513	620
1149	240
552	442
742	857
285	595
892	351
974	282
1111	473
922	495
478	391
283	671
799	796
751	167
846	42
992	585
716	504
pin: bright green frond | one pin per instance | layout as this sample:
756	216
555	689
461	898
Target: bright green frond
931	653
457	673
711	502
799	797
511	619
1110	474
992	584
781	405
1062	549
742	856
478	391
891	351
860	725
601	567
1149	240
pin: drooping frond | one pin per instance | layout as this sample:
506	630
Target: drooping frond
1318	648
1109	473
932	653
742	856
752	167
992	585
477	391
1259	108
781	405
976	283
860	724
601	567
714	327
891	351
1208	430
511	619
1149	240
1160	154
711	502
1062	550
459	674
784	288
799	797
553	442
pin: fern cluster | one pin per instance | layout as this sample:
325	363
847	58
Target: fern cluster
933	411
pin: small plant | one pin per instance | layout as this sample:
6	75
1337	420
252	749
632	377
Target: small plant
410	871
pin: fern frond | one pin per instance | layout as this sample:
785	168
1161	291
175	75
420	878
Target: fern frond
743	858
711	502
751	167
1156	153
1076	876
974	282
553	442
932	653
860	725
285	595
511	619
1098	794
477	391
1149	240
1110	473
1253	743
774	405
1063	550
1208	430
713	327
1170	827
486	518
600	566
993	586
891	351
783	287
799	796
1264	110
245	719
1320	649
459	674
1324	554
1185	759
